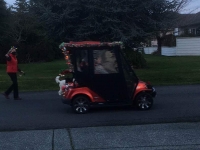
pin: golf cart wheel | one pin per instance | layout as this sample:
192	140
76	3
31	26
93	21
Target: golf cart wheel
81	105
144	101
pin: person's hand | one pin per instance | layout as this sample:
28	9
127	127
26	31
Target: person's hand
21	73
7	55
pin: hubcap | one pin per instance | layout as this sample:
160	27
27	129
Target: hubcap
144	103
81	105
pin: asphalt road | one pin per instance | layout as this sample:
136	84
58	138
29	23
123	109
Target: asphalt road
44	110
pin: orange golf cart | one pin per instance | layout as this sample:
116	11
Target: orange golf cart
102	77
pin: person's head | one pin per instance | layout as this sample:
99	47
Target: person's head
98	60
110	57
110	63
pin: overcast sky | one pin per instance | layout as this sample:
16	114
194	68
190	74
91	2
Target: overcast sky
193	7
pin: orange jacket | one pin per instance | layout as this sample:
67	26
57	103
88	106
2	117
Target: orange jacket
12	66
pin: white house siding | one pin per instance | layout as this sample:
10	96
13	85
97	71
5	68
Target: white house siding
149	50
188	46
168	51
185	46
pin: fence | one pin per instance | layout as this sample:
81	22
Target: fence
166	51
185	46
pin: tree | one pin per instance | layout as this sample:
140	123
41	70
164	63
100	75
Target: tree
4	14
21	23
60	18
124	20
110	20
165	18
39	25
28	34
91	19
4	20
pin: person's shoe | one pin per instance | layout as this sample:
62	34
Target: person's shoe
5	95
18	98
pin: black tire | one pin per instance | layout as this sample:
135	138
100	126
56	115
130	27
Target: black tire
81	105
144	101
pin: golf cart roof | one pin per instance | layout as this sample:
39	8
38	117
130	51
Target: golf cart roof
89	44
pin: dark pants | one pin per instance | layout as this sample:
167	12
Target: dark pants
14	86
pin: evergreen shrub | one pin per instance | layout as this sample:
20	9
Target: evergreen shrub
135	58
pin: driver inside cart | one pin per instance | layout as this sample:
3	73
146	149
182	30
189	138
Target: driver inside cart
110	63
99	69
105	63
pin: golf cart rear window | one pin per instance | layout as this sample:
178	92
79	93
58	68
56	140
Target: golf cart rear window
104	62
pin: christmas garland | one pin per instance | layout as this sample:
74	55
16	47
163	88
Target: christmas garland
79	44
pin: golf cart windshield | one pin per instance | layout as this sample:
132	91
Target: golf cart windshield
127	69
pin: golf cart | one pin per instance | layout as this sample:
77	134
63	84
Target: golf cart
102	77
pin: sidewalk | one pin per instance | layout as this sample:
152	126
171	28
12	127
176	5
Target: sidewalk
171	136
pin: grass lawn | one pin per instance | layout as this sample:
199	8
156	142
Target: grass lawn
38	76
161	70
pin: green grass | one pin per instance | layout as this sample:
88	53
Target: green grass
161	70
38	76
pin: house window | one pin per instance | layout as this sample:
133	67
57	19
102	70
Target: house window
198	31
192	31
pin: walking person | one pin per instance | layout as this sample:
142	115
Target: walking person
12	70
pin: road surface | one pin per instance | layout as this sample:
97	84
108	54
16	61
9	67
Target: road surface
44	110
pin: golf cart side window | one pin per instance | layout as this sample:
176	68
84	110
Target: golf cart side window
104	62
128	71
82	61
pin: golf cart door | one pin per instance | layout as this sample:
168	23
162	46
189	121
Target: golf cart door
108	80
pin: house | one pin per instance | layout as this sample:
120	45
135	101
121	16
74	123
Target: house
187	32
188	25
